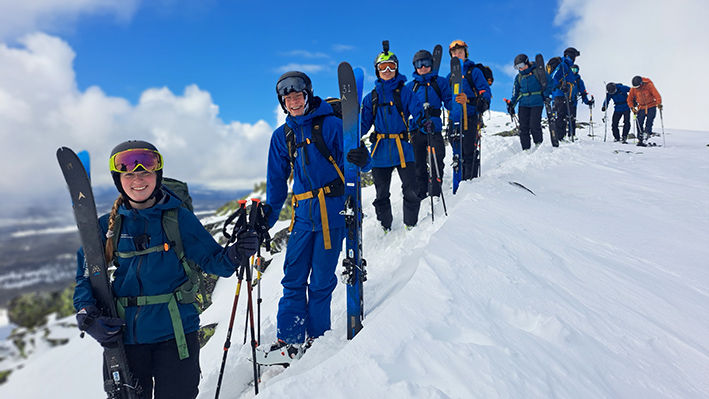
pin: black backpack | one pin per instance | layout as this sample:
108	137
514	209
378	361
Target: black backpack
552	64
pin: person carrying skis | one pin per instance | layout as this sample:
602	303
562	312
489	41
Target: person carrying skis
159	319
619	94
578	89
317	228
644	100
477	99
388	107
434	90
527	91
564	80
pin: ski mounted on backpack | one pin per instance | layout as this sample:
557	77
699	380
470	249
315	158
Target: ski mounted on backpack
355	272
121	384
542	75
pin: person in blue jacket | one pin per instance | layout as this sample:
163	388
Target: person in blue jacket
527	92
619	94
317	227
578	90
388	107
476	100
158	330
564	80
434	90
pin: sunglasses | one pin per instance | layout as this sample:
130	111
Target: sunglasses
388	65
129	161
291	84
425	62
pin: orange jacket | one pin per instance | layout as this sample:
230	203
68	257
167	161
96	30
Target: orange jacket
645	96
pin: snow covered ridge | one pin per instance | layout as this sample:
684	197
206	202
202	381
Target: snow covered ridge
595	287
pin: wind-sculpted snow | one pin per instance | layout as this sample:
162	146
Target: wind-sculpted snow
595	287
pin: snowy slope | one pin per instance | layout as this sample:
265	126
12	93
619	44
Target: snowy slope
595	287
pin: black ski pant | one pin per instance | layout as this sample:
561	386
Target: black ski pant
419	141
562	122
530	123
626	124
161	373
646	117
382	204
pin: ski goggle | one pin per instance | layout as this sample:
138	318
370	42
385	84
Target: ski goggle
424	62
520	66
387	65
291	84
129	161
574	70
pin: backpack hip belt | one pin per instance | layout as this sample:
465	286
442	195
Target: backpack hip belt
335	188
398	137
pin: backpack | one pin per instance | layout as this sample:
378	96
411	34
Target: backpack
317	139
487	74
433	84
399	108
552	64
191	291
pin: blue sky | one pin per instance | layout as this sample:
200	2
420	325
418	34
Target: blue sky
197	77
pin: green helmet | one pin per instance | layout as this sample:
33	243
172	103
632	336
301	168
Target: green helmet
387	56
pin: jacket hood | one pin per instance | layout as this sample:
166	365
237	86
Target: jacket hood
320	107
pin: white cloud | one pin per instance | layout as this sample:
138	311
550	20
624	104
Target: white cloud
307	68
18	18
661	40
41	109
305	54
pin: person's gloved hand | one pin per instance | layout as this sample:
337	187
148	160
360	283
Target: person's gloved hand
428	126
659	106
635	110
461	98
105	330
565	88
358	156
246	244
603	108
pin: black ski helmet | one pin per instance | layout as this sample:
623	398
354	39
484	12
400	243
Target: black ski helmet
637	81
521	58
303	81
610	88
422	55
134	145
571	53
386	56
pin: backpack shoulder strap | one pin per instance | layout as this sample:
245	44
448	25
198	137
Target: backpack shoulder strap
469	78
436	88
320	144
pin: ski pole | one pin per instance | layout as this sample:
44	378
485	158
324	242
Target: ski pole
590	113
605	123
662	123
430	159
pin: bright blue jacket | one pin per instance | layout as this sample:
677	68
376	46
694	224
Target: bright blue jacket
562	75
155	273
620	98
480	84
316	173
427	94
527	90
389	121
578	89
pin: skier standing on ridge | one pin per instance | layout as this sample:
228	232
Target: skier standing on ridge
578	89
159	328
644	100
317	227
527	91
619	94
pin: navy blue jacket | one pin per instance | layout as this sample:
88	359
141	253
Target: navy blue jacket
427	94
527	90
620	98
480	84
155	273
563	75
389	121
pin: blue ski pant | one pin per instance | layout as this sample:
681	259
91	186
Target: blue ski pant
308	282
646	118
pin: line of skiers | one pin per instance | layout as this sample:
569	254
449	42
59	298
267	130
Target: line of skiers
160	332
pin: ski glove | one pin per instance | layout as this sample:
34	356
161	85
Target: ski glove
247	243
358	156
428	127
659	106
482	105
105	330
603	108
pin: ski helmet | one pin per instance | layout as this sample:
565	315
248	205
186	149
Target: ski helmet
136	145
610	88
571	53
575	68
458	43
637	81
385	56
520	60
422	55
294	81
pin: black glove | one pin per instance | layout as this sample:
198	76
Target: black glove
603	108
247	243
510	107
482	105
565	88
103	329
358	156
428	127
262	221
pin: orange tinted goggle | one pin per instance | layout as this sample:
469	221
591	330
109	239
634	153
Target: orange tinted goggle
129	161
390	65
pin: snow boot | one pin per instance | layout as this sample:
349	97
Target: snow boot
279	353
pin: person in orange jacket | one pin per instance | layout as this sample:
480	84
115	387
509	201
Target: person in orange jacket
644	100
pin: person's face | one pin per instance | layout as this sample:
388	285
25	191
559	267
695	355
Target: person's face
138	185
387	70
423	70
295	103
524	67
458	52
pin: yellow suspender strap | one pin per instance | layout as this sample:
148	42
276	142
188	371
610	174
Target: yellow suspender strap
396	137
323	211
